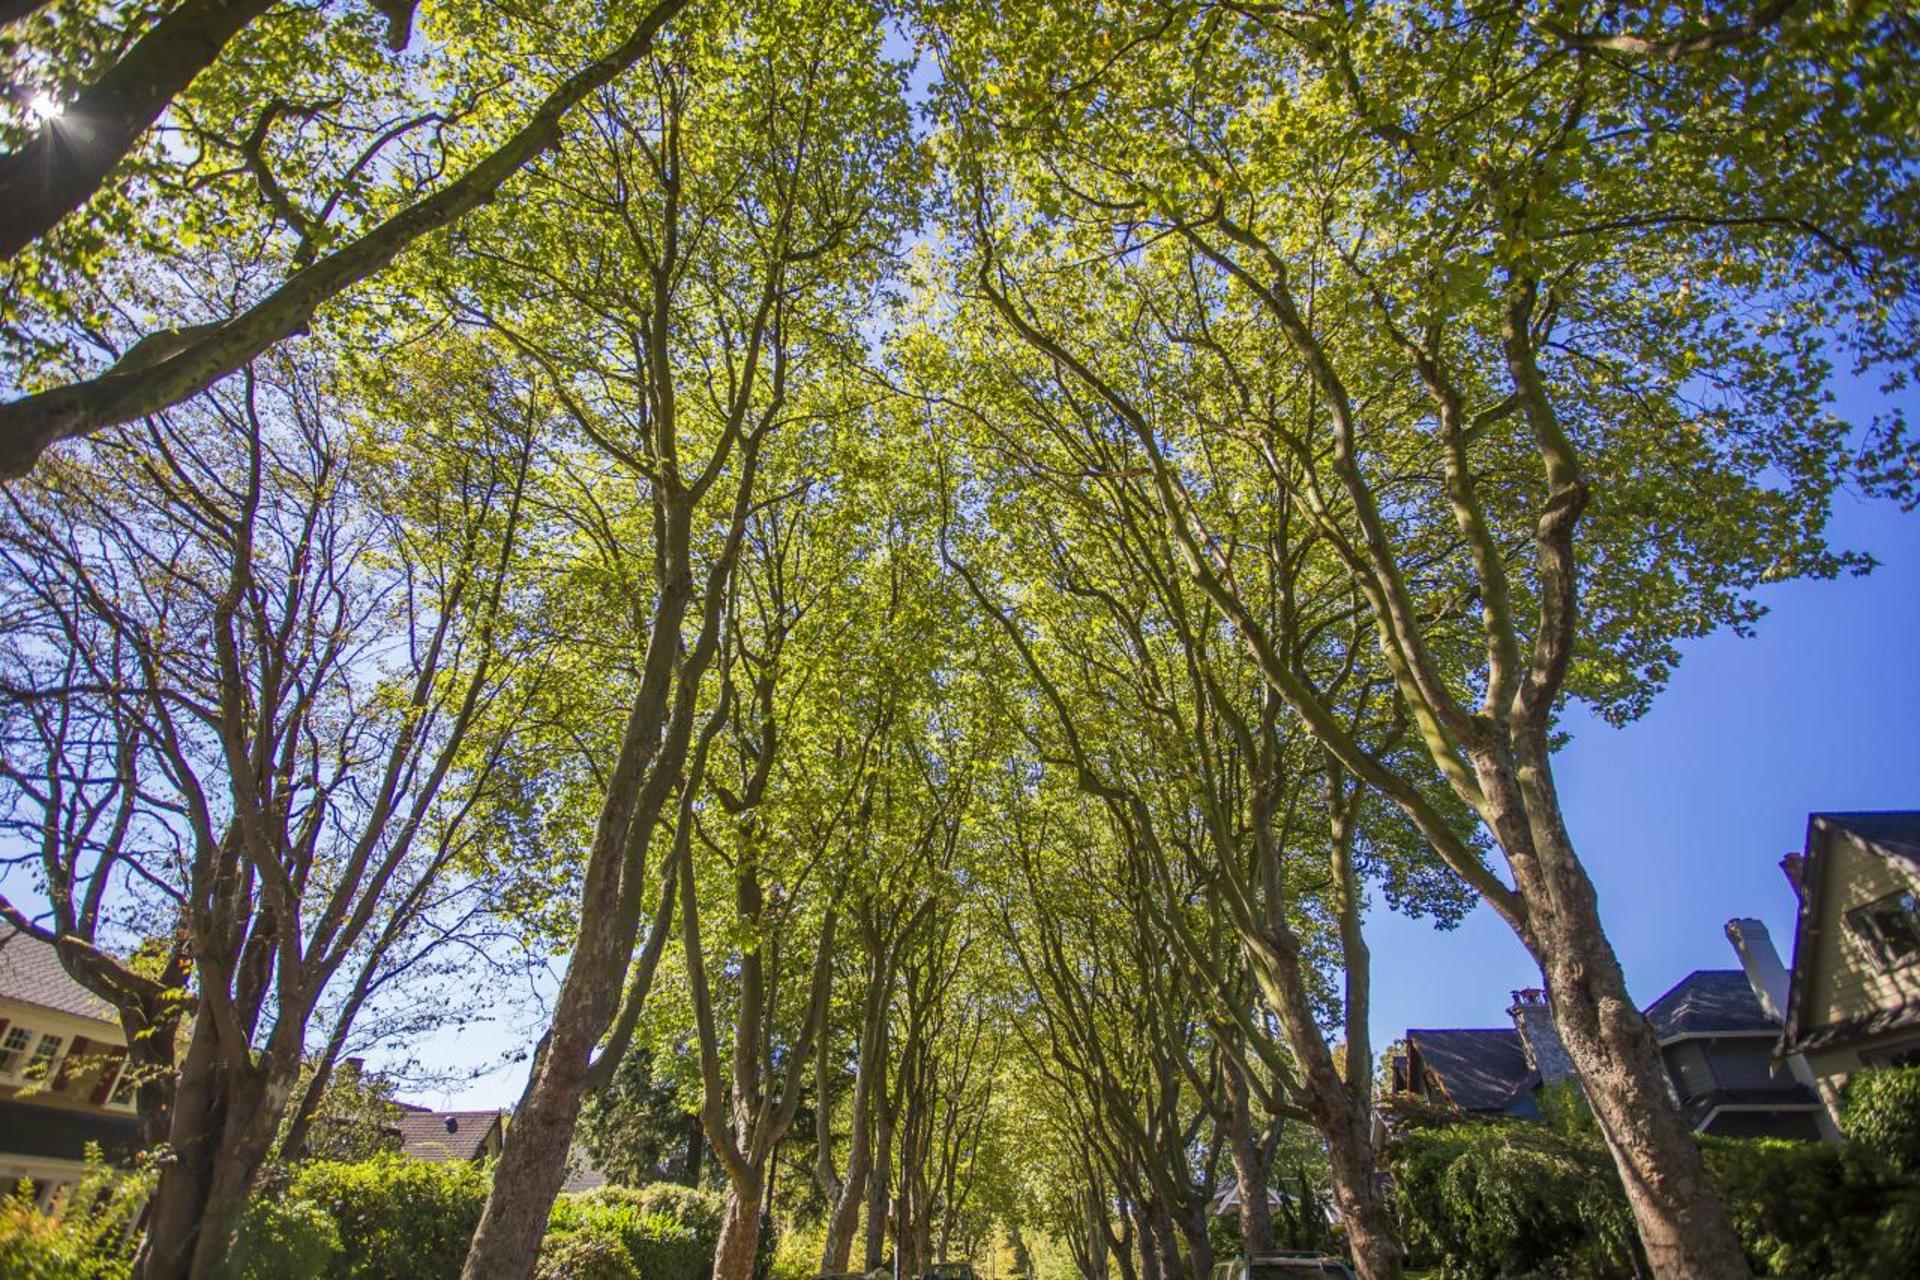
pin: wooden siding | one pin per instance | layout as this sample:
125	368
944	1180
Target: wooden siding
1846	980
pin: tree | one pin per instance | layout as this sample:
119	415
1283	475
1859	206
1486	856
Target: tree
166	366
1216	229
293	669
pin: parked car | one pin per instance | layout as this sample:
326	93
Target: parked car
1283	1266
948	1271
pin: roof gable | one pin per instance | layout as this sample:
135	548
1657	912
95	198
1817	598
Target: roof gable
31	972
1894	834
446	1135
1709	1002
1481	1069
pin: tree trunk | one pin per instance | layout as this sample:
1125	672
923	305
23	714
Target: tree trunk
1681	1219
739	1243
878	1185
180	1196
1096	1226
533	1163
1250	1170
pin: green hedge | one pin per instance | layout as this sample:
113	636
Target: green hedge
1883	1114
1511	1199
393	1218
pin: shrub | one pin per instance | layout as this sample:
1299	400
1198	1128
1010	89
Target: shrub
586	1254
657	1247
284	1236
396	1216
1808	1209
1506	1199
1512	1199
88	1239
697	1210
1883	1114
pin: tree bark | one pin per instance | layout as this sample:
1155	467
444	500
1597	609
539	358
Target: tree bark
740	1227
1681	1219
1250	1171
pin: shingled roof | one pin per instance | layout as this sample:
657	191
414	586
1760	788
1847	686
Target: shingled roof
31	972
1709	1002
445	1135
1896	833
1481	1069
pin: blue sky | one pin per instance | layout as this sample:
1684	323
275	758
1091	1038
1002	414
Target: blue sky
1682	817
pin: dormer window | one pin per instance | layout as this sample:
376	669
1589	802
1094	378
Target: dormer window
1890	928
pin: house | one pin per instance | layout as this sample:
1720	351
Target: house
1716	1039
1853	1000
449	1135
62	1072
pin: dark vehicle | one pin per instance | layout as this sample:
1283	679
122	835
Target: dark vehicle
841	1275
1284	1266
948	1271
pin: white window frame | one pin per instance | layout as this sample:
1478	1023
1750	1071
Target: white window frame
22	1054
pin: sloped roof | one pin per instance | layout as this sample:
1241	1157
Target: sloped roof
1709	1002
1895	832
31	972
1482	1069
445	1135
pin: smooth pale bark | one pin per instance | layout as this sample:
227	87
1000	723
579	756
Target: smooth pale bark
171	365
60	167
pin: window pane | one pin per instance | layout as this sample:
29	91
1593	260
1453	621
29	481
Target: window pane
13	1049
43	1056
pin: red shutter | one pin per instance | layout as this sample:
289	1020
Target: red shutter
109	1076
74	1050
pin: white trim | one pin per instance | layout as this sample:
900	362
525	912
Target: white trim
1716	1035
1707	1119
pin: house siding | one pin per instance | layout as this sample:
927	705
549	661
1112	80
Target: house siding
1687	1064
1846	980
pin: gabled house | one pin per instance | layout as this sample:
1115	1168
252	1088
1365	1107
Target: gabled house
1854	997
62	1060
1716	1039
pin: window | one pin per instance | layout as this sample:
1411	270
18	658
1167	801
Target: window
1890	928
123	1087
14	1049
45	1054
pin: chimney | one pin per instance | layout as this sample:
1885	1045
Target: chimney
453	1124
1765	974
1795	866
1539	1038
1768	978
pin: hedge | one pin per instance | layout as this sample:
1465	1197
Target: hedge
394	1218
1882	1114
1510	1199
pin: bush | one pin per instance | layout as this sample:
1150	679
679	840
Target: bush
1511	1199
284	1236
1506	1199
1808	1209
88	1240
698	1211
587	1254
657	1247
396	1216
1883	1114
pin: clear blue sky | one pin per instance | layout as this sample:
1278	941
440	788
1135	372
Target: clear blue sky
1683	816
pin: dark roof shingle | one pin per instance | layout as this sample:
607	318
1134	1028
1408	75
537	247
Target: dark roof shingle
1481	1069
445	1135
31	972
1896	832
1707	1001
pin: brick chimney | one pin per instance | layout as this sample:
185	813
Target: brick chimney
1539	1038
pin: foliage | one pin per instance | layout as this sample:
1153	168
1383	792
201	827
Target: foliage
1300	1220
1507	1198
1563	1108
692	1210
637	1129
1882	1113
396	1216
284	1236
87	1239
655	1245
356	1116
585	1253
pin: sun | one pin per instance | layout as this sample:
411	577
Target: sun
43	106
